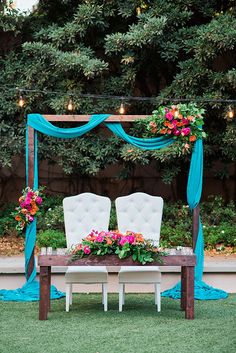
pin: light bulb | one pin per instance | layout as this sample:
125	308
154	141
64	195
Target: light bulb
122	108
21	101
70	105
230	113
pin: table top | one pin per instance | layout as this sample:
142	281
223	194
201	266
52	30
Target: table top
113	260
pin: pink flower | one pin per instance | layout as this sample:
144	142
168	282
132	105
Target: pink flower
123	241
116	236
30	218
23	204
176	132
87	250
185	131
130	239
99	238
169	116
185	121
39	200
30	194
27	201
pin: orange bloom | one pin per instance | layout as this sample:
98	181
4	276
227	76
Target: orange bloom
179	124
192	138
163	131
18	218
190	118
24	210
180	116
166	123
139	238
109	241
171	126
34	210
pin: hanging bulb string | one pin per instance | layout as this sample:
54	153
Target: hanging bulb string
116	97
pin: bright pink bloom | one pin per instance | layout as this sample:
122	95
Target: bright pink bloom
123	241
185	121
27	201
22	204
39	200
169	116
87	250
30	218
30	194
176	132
130	239
185	131
99	238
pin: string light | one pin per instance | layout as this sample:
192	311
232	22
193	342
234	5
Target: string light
21	101
230	113
70	105
122	108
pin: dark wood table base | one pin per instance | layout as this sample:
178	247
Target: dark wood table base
187	264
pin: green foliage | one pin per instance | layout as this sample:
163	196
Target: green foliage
7	221
51	238
149	48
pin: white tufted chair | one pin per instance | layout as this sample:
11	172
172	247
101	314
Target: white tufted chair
83	213
141	213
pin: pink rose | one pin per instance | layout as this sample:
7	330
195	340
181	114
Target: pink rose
115	236
39	200
87	250
30	218
185	131
169	116
22	204
176	132
30	194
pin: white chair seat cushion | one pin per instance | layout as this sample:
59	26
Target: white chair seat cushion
139	274
86	274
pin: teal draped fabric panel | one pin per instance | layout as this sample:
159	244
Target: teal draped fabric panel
30	291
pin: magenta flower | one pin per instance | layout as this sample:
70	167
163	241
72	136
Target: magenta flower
169	116
131	239
185	131
87	250
176	132
185	121
123	241
27	201
30	194
22	204
100	238
30	218
39	200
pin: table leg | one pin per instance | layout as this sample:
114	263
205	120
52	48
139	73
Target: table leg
183	288
49	288
44	292
189	309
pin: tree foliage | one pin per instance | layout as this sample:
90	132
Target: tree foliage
154	48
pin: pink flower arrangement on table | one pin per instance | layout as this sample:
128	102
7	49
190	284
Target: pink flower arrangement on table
182	121
113	242
28	208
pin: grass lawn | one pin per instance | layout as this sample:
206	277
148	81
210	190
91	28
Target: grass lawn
138	329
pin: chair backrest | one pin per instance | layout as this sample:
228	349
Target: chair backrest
83	213
141	213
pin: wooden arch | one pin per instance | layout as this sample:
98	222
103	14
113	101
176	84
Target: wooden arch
85	118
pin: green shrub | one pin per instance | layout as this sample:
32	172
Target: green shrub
51	238
223	233
53	219
7	221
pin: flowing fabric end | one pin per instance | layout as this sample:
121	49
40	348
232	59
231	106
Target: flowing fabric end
29	292
202	291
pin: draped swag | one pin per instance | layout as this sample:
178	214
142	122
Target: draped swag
30	290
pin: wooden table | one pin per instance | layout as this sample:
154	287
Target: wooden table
187	263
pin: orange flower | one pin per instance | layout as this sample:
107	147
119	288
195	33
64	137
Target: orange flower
18	218
166	123
24	211
109	241
179	124
139	238
192	138
163	131
180	116
171	126
190	118
34	210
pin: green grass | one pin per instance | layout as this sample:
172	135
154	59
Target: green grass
138	329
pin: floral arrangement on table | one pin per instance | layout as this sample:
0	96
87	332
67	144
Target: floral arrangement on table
28	208
112	242
182	121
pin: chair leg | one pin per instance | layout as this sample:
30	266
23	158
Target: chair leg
123	302
121	293
68	289
71	290
104	295
158	296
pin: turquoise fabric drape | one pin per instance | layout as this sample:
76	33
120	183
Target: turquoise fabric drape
30	291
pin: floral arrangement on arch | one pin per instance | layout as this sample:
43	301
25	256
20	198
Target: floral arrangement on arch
28	208
112	242
182	121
